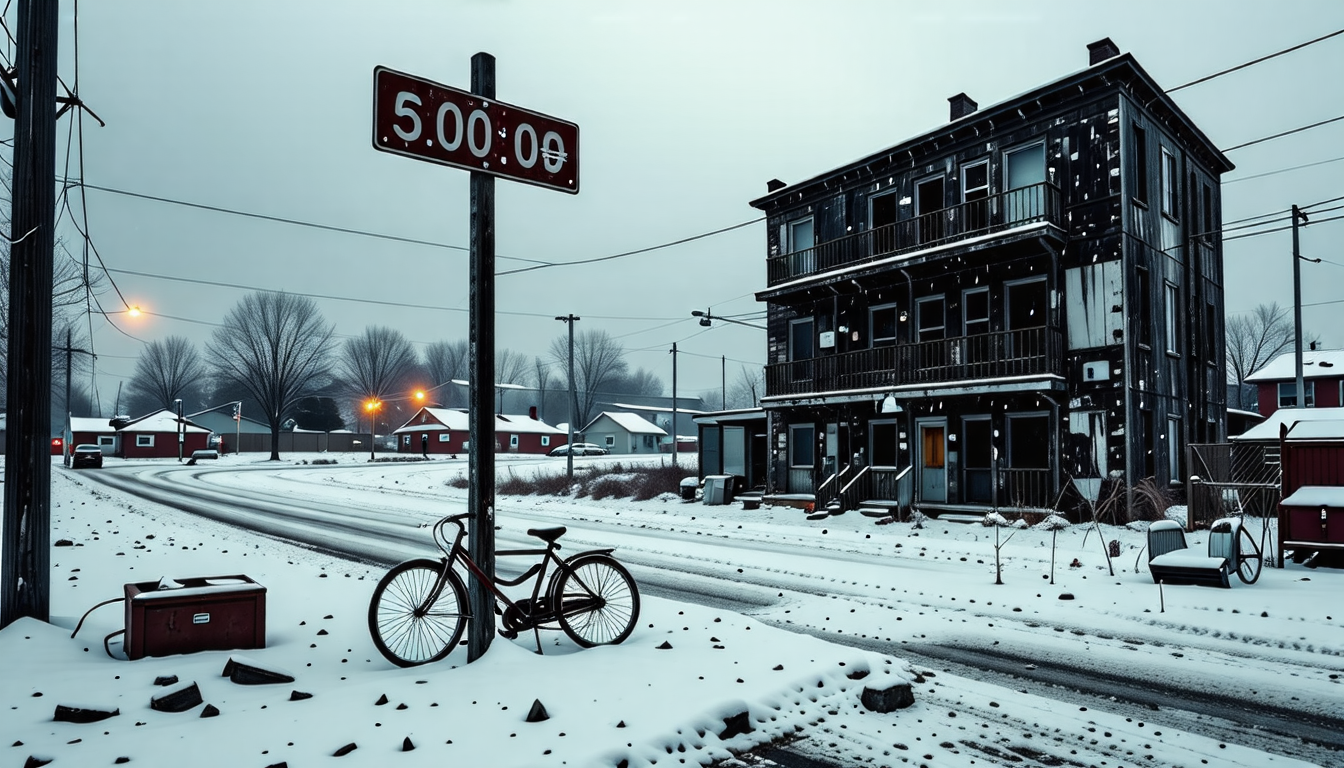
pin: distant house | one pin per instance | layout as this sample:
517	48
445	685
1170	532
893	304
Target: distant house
155	437
93	430
220	422
624	433
1322	380
446	431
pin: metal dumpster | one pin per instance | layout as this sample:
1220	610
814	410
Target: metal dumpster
208	613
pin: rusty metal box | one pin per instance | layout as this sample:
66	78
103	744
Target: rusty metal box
207	613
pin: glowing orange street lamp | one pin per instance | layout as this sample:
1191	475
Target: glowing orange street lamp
372	405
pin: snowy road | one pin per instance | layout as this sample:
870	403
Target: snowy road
887	597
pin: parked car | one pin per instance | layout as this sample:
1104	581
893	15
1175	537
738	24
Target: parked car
87	455
580	449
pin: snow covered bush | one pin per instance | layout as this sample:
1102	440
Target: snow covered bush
994	518
1052	523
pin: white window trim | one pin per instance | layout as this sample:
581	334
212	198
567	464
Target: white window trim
144	441
1170	183
610	441
444	437
1171	299
405	439
1022	148
793	247
545	440
988	181
513	441
1174	449
1308	387
105	441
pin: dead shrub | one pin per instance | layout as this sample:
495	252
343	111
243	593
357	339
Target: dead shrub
610	487
459	482
513	485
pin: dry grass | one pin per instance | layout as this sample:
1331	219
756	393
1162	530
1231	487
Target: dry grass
614	481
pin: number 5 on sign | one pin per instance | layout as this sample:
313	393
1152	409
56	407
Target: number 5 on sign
437	123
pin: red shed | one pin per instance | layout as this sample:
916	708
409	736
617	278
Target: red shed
445	431
1311	514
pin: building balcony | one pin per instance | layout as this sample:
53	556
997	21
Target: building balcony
999	355
975	218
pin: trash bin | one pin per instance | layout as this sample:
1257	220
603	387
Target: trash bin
718	489
197	614
689	486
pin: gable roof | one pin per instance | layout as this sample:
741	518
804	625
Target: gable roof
160	421
1268	430
631	423
93	424
1316	363
458	419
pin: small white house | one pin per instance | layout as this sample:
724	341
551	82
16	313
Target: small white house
624	433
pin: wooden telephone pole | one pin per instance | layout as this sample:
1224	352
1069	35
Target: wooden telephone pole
25	578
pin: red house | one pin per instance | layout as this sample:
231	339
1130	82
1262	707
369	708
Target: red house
1311	513
1322	380
445	431
155	437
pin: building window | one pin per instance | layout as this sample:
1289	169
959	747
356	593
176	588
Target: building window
1288	393
1208	214
882	444
144	441
882	325
405	439
106	441
1023	170
1211	334
648	441
930	200
445	436
1175	449
1140	166
975	311
801	339
1169	184
611	441
513	441
974	195
545	440
1172	316
801	239
1145	309
802	439
931	317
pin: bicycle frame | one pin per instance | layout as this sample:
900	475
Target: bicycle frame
455	552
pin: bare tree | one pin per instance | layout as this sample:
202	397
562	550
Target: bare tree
541	376
445	361
642	382
377	363
511	367
167	370
598	359
747	389
1254	339
277	346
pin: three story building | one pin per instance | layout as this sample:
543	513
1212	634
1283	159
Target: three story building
1029	295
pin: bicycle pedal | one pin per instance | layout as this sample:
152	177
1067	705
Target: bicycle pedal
508	634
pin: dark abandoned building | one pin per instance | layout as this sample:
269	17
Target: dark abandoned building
1029	295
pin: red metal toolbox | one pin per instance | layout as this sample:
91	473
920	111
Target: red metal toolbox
207	613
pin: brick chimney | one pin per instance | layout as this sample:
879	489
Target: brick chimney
961	106
1100	51
774	185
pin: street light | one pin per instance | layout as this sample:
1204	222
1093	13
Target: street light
707	317
372	405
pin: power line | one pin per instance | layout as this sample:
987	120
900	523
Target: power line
1284	170
638	251
1255	61
1285	133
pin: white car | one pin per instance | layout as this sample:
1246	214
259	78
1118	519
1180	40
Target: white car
580	449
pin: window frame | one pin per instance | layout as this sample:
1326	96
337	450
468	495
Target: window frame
1139	138
810	442
610	441
919	317
107	441
545	441
895	443
1171	300
1171	184
1308	388
967	190
1007	182
797	321
791	228
1145	306
965	309
144	440
445	437
1175	458
873	340
892	194
1009	418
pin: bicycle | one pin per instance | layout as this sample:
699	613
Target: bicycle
419	608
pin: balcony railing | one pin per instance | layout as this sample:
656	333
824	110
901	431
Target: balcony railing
1025	352
995	213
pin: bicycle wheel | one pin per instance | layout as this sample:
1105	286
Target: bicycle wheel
1250	560
598	603
406	632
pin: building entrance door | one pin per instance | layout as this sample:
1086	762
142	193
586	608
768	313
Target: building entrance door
933	460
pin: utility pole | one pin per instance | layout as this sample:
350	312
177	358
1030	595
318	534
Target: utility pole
1297	311
570	319
181	429
674	404
723	381
68	433
25	538
480	414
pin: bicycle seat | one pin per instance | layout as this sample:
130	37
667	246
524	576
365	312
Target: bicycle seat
548	535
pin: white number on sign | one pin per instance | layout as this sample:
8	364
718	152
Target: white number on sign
478	115
451	146
553	152
404	111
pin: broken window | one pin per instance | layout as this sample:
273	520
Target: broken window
882	221
977	451
1140	192
882	444
1029	441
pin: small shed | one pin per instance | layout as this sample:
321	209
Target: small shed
446	431
624	433
1311	514
734	443
156	436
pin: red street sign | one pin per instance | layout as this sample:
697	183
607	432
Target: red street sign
429	121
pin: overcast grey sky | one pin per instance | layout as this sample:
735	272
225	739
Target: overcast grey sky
685	110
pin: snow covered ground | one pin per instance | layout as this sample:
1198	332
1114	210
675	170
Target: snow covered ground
1275	643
